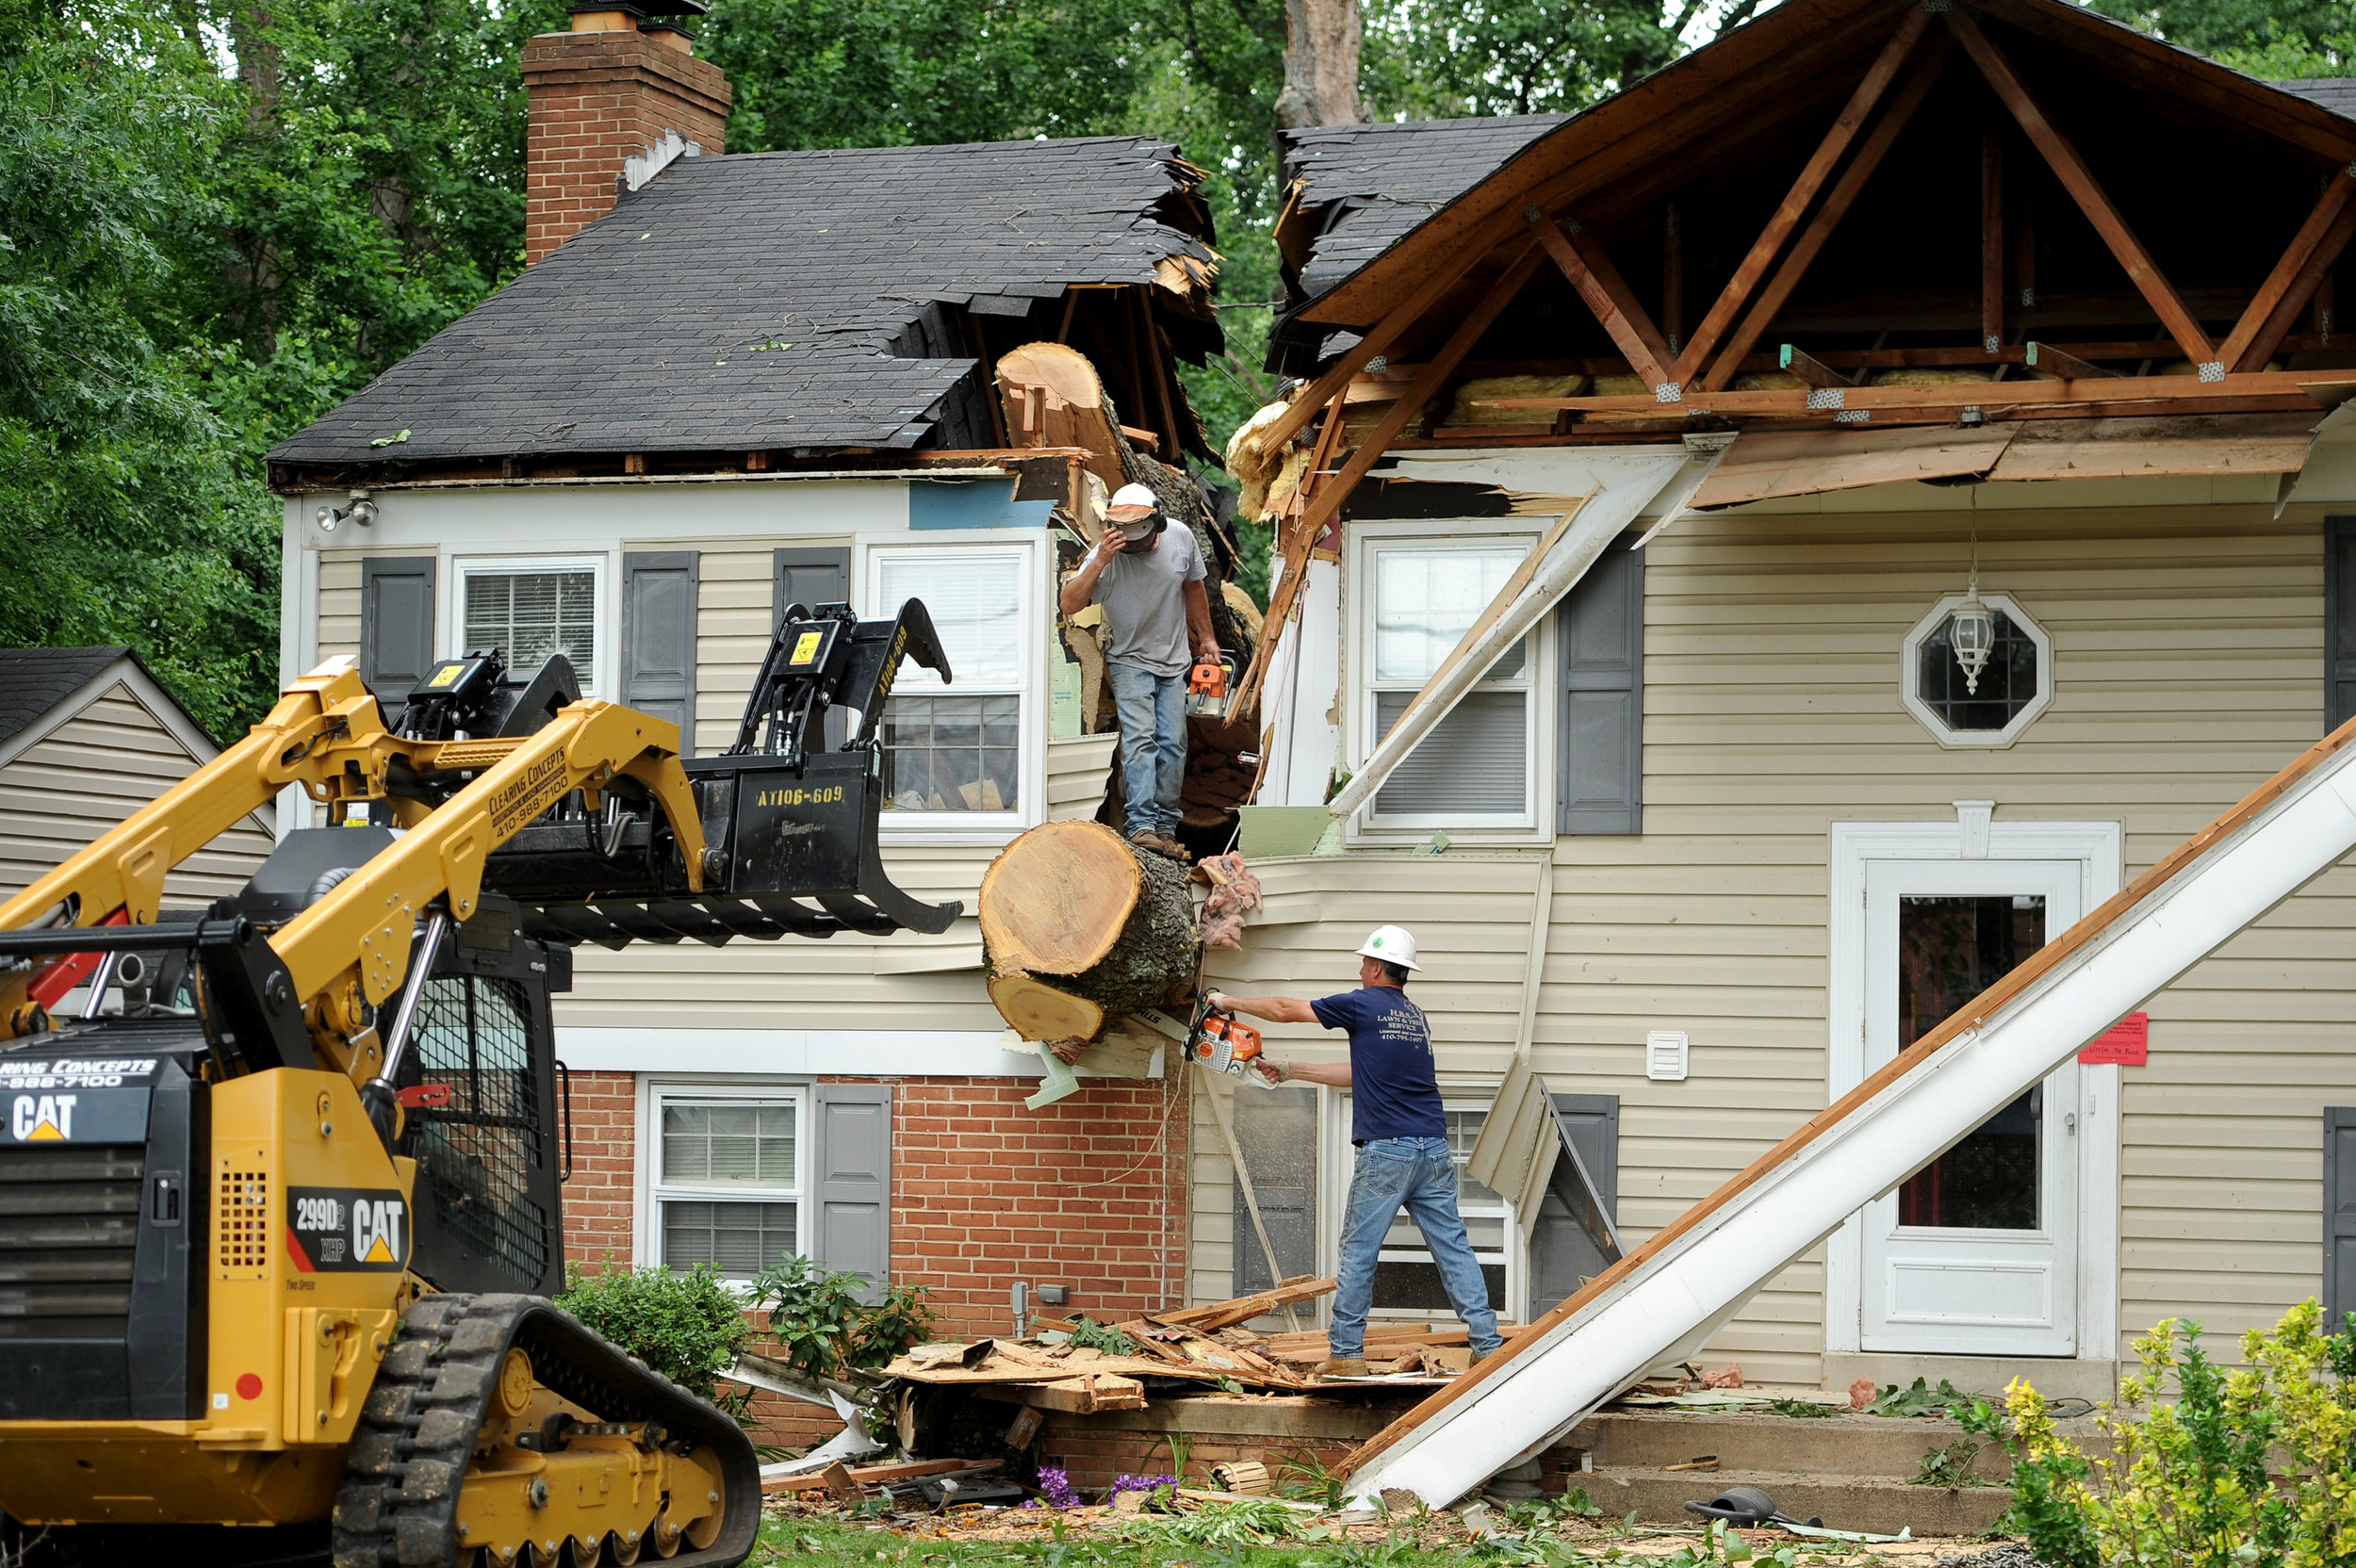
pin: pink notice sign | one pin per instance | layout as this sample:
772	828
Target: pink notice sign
2126	1044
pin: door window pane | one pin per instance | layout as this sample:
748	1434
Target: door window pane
1405	1278
1950	950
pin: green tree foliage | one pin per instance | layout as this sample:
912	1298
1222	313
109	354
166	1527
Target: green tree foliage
1426	62
127	516
2276	39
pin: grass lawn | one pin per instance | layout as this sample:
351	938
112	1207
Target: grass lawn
1226	1538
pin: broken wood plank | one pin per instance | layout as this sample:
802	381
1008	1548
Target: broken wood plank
872	1475
2280	283
1766	463
1795	201
2052	363
1809	368
1598	283
1221	1314
2063	158
2173	445
1087	1394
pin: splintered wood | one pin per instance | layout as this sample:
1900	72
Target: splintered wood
1081	929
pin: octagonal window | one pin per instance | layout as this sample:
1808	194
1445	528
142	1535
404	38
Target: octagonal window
2010	692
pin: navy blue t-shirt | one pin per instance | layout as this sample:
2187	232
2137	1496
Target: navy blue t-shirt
1393	1091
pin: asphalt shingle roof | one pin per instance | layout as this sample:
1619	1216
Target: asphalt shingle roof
32	680
1379	181
639	334
2336	93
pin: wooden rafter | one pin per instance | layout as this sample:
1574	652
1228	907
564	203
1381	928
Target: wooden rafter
1991	239
2283	284
1797	201
1837	202
1607	294
1809	368
2087	192
2312	280
1328	498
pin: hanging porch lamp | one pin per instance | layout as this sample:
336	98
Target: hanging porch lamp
1971	627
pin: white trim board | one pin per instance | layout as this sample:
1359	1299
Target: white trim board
1974	835
855	1053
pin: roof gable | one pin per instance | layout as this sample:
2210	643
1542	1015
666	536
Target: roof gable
805	300
34	680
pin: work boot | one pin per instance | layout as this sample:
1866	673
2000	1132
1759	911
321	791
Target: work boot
1175	850
1342	1366
1145	838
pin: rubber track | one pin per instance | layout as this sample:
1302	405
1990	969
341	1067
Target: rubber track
397	1504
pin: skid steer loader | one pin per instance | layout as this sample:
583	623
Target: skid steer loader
280	1209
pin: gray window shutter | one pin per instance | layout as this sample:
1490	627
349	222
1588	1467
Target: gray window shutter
851	1186
2339	1214
658	599
396	623
1278	1134
809	576
1561	1252
1601	771
2339	623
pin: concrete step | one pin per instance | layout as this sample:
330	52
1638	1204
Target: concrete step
1874	1503
1847	1445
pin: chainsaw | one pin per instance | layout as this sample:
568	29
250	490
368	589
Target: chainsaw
1219	1040
1207	686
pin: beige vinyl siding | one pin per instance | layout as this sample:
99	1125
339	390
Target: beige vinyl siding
1077	770
2187	648
90	772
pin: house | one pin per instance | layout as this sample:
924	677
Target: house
1871	334
730	384
87	736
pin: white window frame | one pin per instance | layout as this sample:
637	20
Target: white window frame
1973	739
650	1191
1029	687
603	677
1370	825
1339	1161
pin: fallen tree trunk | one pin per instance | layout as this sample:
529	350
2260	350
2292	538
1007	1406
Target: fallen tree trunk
1081	927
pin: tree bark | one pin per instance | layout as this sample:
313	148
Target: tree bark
1321	44
1081	929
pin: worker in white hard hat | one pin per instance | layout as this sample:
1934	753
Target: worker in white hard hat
1149	578
1400	1131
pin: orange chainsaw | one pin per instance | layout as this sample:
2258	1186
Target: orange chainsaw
1207	686
1225	1043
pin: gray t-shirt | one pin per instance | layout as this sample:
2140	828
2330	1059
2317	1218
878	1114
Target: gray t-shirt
1145	606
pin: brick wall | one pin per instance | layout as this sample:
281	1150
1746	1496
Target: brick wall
597	98
598	1199
1088	1194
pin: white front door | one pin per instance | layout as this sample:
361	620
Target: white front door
1976	1253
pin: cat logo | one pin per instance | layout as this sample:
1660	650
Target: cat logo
42	1118
376	1231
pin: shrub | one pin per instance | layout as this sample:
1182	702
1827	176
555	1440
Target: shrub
823	1328
2190	1483
688	1327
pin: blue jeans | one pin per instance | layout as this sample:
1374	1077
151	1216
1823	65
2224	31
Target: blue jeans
1152	710
1418	1174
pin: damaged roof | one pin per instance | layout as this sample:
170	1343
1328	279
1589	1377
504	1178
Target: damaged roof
778	301
1361	186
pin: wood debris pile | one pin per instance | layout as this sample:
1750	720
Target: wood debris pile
1079	1367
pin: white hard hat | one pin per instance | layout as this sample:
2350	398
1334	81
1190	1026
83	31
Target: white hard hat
1134	495
1393	944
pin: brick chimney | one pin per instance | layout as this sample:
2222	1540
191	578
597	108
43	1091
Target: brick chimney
613	90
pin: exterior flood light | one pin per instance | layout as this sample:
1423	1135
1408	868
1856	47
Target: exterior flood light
359	510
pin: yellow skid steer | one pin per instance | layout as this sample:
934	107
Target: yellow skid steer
280	1209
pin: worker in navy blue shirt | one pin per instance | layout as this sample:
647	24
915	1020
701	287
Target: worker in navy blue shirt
1402	1135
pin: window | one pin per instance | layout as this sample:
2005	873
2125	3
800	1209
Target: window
2012	689
960	747
1474	768
1406	1281
530	609
728	1180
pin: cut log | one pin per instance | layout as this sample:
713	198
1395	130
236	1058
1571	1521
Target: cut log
1053	398
1080	927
